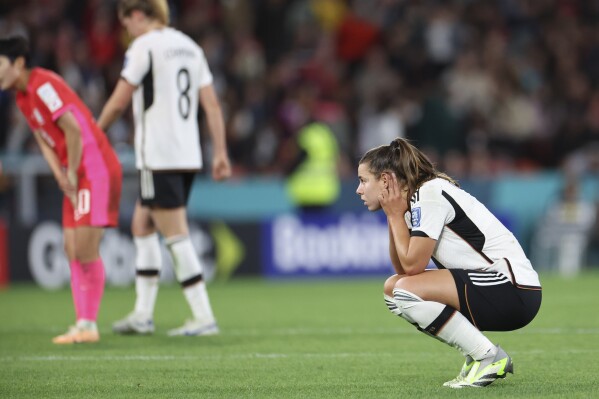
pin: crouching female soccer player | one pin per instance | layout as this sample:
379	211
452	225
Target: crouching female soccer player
85	167
484	281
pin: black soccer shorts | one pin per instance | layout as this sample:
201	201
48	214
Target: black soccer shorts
162	189
494	307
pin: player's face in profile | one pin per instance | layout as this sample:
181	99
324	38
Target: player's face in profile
131	22
8	73
127	23
369	188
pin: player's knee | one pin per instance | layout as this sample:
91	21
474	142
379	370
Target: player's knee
85	253
390	284
69	251
139	229
403	284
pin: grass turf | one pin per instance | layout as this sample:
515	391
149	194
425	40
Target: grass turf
300	339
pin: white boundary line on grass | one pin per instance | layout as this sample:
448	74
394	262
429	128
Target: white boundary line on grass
348	331
373	330
166	358
161	358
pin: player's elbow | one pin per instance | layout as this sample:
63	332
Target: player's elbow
117	107
415	267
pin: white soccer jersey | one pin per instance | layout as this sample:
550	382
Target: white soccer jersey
168	69
468	235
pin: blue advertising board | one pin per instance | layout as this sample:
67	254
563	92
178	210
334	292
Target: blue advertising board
325	244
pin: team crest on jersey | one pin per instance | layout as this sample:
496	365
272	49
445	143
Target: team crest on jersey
49	96
416	217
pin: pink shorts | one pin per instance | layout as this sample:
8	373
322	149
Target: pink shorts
97	203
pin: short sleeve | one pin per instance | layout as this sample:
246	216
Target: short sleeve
136	64
430	212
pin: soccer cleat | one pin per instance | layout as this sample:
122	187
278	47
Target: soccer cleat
195	327
486	371
77	335
466	367
134	323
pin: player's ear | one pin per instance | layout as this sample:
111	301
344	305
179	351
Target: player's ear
385	179
20	63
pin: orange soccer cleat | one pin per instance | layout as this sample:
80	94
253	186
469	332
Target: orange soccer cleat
77	335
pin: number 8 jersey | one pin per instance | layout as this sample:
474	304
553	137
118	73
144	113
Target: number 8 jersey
169	69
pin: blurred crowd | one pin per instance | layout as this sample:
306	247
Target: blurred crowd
485	87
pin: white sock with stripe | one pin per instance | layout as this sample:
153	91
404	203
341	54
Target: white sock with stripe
444	323
148	263
390	302
189	274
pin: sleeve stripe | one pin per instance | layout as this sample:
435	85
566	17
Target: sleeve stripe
417	233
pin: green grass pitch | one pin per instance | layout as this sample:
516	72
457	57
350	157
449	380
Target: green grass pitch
289	339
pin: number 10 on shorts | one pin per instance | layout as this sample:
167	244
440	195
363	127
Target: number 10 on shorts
83	203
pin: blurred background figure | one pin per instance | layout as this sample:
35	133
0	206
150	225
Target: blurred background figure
564	232
313	182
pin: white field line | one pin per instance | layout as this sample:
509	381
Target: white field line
266	332
266	356
350	331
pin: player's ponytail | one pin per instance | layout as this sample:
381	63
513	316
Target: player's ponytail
154	9
410	165
161	11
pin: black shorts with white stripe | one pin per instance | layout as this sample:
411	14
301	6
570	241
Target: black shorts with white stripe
158	189
492	303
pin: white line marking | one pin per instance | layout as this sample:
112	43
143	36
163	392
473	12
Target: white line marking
266	356
362	331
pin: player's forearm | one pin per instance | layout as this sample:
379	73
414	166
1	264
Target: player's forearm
74	150
110	113
393	254
116	105
216	127
214	119
50	157
410	261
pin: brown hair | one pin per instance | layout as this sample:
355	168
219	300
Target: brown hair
411	167
154	9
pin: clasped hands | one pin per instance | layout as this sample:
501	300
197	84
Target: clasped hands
68	182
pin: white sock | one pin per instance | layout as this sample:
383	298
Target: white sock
87	324
189	273
198	300
146	289
390	302
148	263
445	323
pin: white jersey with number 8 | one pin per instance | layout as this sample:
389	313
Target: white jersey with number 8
168	69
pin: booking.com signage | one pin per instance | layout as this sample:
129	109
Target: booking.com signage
326	245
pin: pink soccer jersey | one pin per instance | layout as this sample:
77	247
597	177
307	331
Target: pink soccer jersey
46	99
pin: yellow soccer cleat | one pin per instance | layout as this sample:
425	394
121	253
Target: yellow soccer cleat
486	371
463	372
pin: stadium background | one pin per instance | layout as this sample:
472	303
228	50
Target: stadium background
503	95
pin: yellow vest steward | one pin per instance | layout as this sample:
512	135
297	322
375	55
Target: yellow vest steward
316	181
